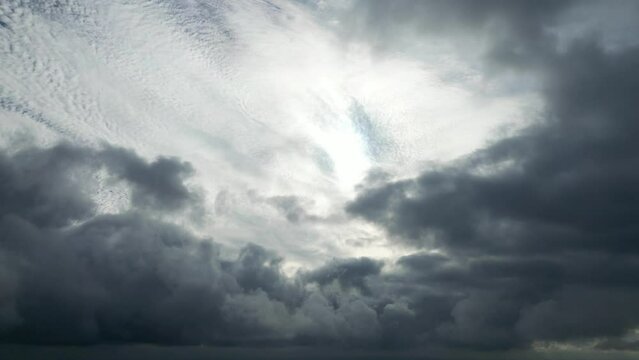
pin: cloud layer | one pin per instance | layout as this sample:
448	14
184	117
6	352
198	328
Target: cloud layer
517	248
74	276
539	229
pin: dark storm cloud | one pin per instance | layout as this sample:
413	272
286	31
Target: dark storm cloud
524	18
619	344
87	278
540	229
491	301
511	32
112	277
71	275
259	269
47	186
115	278
571	180
36	185
156	184
349	273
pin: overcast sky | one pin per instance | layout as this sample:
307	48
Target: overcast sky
350	179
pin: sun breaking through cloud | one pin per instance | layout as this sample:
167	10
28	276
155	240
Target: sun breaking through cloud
319	179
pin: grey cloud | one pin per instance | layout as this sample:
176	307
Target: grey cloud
259	269
619	344
73	276
115	278
562	316
482	320
46	186
349	273
38	186
291	207
515	33
156	184
538	230
131	278
570	179
523	17
294	208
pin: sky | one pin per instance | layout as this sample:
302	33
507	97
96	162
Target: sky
374	179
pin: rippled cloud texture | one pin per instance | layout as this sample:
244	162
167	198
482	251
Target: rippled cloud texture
311	179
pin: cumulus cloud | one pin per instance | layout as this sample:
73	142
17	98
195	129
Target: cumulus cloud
75	276
85	277
348	273
513	33
538	229
527	242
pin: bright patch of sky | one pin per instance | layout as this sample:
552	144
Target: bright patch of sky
265	99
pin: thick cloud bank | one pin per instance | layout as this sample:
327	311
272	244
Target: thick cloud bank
73	276
540	229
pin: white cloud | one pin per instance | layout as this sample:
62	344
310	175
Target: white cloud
260	97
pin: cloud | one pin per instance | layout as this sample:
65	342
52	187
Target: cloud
530	239
538	229
73	275
348	273
513	32
45	186
291	207
156	184
77	276
130	277
568	179
38	187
